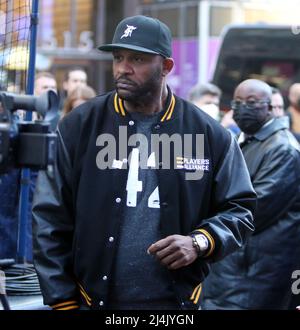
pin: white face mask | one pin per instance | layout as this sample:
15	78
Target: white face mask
212	110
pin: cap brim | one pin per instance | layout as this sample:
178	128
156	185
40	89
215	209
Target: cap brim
111	47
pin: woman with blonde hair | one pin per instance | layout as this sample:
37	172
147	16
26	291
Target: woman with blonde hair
78	96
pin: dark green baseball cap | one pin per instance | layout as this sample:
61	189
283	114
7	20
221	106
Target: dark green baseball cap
143	34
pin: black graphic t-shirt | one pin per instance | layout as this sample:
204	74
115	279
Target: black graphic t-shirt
140	281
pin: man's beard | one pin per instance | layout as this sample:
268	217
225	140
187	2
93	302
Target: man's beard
140	93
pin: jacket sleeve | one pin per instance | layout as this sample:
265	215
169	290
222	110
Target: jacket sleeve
53	226
234	203
278	176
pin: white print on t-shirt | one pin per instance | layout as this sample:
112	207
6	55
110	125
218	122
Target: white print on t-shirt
134	186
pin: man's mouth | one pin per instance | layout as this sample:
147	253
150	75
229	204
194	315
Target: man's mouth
124	84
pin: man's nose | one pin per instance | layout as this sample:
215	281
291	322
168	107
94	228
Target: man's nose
125	67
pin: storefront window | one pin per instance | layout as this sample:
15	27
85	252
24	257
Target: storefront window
66	24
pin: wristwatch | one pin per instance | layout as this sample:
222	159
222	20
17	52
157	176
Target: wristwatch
200	242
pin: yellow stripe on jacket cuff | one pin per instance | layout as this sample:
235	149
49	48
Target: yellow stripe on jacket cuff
211	242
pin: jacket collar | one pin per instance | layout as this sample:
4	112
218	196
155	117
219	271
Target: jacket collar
165	115
270	128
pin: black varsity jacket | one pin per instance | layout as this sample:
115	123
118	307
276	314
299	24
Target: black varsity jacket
78	206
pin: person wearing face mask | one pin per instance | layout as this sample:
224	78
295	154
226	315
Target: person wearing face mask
258	276
207	98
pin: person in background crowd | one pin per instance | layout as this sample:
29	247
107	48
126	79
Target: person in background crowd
135	233
258	276
44	81
207	98
78	96
279	109
277	103
73	78
294	109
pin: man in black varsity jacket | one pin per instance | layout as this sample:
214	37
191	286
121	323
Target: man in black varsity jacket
146	191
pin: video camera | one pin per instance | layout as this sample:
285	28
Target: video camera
29	144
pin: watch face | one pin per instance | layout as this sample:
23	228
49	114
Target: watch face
202	242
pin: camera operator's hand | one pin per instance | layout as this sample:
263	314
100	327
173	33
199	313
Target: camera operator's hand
174	251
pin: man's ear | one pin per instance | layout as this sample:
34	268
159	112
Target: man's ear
168	64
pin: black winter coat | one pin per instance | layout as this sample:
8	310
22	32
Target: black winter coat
258	276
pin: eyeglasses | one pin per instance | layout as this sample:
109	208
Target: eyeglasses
250	104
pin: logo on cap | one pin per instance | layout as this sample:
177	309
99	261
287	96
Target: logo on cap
128	31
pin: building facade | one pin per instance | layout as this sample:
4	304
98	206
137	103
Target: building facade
69	32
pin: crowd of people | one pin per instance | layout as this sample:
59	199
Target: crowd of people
121	224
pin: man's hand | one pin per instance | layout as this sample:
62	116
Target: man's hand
174	251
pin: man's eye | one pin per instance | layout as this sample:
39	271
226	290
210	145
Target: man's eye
139	59
117	57
238	103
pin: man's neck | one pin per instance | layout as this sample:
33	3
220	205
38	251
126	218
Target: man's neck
149	105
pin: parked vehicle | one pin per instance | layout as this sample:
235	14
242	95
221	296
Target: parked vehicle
267	52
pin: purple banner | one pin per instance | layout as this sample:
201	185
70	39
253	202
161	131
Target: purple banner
185	73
